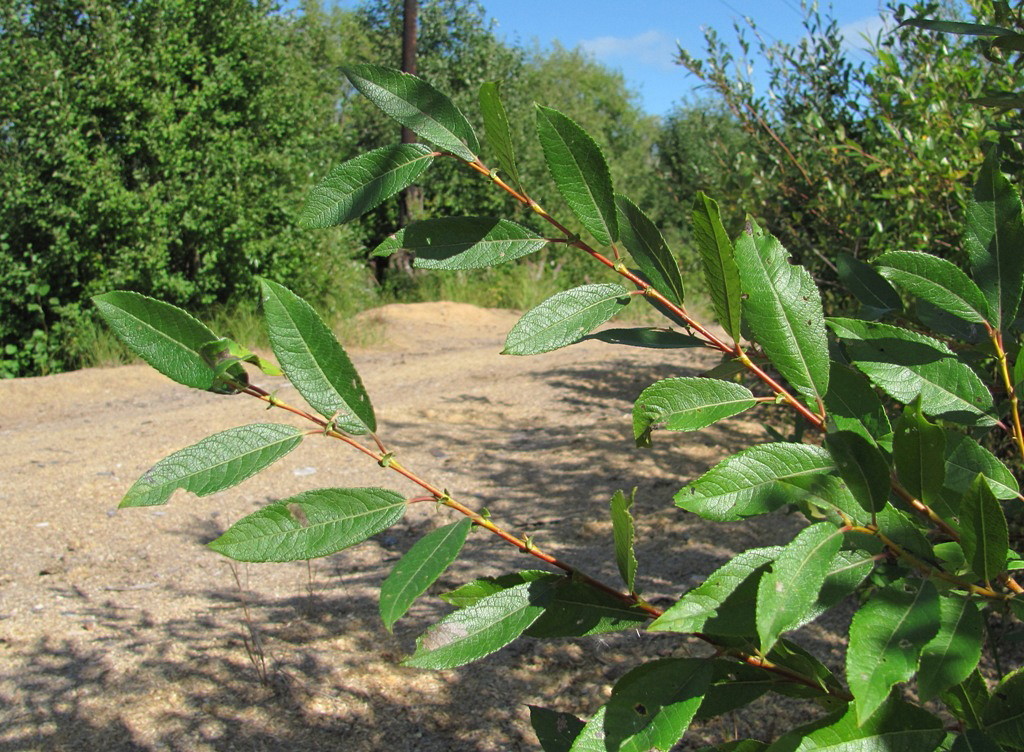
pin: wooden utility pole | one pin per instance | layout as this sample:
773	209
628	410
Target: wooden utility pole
412	197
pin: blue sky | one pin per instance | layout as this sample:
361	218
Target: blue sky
639	38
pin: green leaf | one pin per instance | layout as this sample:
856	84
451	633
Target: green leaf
983	531
624	533
790	589
215	463
575	609
862	467
919	453
311	524
936	280
733	685
994	241
471	592
481	629
591	738
846	572
718	262
314	361
565	318
452	243
1008	99
418	106
854	406
896	727
968	699
782	307
580	172
956	27
1003	718
652	705
497	131
877	297
754	481
648	248
965	458
224	351
906	365
667	339
789	655
886	638
951	656
555	731
163	335
973	740
419	568
740	745
362	183
687	404
712	605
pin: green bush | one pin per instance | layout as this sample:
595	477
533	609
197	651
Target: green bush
903	507
161	146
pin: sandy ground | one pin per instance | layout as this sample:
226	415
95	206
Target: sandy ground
120	631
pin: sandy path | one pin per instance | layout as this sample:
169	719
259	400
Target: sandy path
120	631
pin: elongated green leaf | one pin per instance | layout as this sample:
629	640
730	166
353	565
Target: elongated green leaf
163	335
940	282
919	452
1003	718
983	531
565	318
968	699
740	745
853	405
577	610
624	533
648	248
905	530
718	262
994	241
471	592
451	243
973	740
418	106
362	183
906	365
846	572
965	458
555	731
225	352
215	463
712	605
862	467
314	361
1009	99
951	656
733	685
419	568
877	297
957	27
886	638
687	404
667	339
497	131
896	727
754	481
652	705
580	172
790	589
591	737
782	307
789	655
479	630
311	524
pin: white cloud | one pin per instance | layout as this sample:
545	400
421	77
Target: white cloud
649	48
854	33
